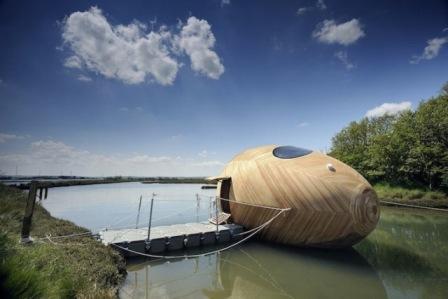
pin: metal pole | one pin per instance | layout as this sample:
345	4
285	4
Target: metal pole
138	213
197	207
150	218
29	210
216	214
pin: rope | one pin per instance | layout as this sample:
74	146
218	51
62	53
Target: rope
247	204
412	206
207	253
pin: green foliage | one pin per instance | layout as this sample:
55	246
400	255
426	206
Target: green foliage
409	149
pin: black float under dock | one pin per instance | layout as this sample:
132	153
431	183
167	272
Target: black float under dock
171	237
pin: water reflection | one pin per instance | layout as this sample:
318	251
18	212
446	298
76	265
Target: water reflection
409	249
257	270
405	257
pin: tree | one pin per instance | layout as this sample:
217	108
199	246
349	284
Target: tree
444	90
408	149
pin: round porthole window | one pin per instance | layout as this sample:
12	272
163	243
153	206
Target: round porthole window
290	152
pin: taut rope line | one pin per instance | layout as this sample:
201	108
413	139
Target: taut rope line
412	206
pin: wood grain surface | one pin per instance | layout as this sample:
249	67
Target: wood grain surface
328	208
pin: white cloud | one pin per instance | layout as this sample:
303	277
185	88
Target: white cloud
303	124
389	109
197	40
84	78
73	62
431	50
342	56
208	163
203	154
54	157
7	137
303	10
320	4
122	52
129	54
347	33
225	2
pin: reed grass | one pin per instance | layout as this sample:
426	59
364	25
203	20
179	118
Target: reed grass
413	196
78	267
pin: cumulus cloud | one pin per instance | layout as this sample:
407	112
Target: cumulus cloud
342	56
132	55
345	34
123	52
73	62
320	5
303	124
431	50
7	137
389	109
197	40
55	157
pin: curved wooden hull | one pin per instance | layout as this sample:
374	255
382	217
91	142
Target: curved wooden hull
329	208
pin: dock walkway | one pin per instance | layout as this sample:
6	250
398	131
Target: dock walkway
171	237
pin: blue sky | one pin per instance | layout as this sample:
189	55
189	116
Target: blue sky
179	87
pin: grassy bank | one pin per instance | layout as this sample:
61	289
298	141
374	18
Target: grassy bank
77	267
413	196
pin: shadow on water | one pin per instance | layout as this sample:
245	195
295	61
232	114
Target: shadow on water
257	270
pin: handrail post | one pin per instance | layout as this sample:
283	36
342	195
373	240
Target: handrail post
138	213
197	207
29	210
150	218
216	215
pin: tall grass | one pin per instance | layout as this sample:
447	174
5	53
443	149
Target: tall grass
80	267
411	195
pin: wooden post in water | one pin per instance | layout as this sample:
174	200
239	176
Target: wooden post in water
41	193
29	210
46	193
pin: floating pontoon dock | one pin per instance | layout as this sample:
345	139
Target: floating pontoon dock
171	237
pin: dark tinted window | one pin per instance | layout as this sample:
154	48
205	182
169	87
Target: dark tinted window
289	152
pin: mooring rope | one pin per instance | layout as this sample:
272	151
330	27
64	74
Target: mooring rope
206	253
412	206
245	203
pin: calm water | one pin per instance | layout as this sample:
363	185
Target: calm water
405	257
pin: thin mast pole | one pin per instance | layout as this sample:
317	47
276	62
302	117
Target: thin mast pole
138	213
150	217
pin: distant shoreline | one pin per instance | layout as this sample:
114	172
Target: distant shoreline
79	182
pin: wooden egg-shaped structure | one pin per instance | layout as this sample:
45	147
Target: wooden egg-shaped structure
331	204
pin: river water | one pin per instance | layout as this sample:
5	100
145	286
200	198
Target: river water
405	257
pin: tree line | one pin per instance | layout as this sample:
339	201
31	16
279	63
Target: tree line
409	149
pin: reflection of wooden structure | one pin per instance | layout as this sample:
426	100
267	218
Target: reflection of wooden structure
332	205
